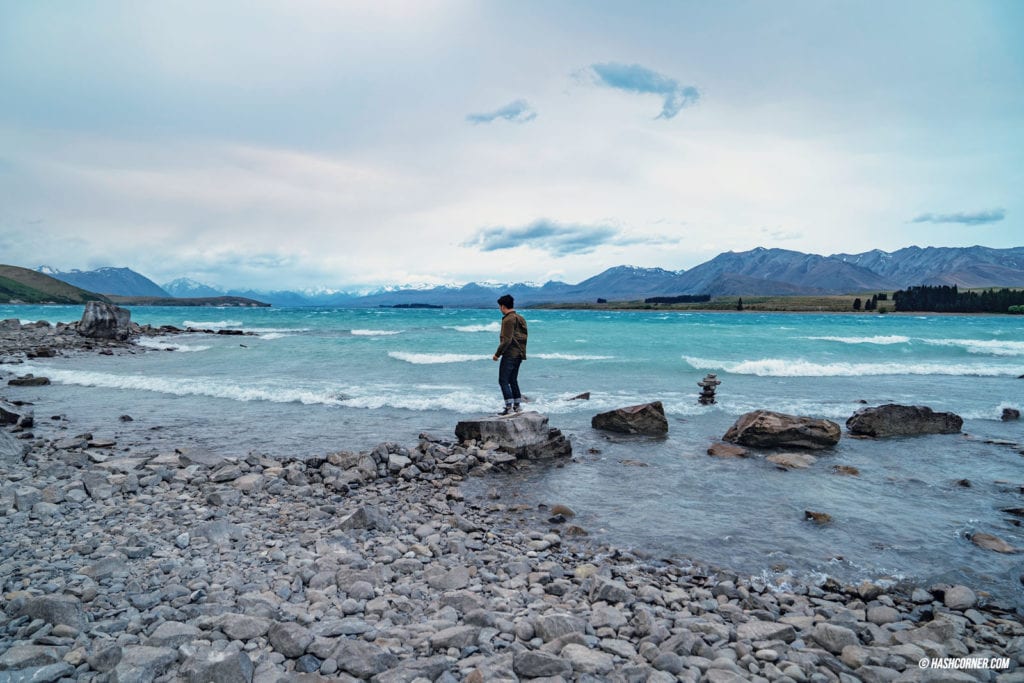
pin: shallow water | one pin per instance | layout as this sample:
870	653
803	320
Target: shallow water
315	380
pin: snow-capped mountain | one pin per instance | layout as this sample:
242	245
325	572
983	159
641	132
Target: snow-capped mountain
119	281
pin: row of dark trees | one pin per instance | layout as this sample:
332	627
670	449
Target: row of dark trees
870	304
682	299
949	299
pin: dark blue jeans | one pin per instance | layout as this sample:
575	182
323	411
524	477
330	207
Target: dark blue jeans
508	378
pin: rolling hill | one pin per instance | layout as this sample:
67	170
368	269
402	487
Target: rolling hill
21	285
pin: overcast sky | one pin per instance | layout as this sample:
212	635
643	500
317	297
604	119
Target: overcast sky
307	143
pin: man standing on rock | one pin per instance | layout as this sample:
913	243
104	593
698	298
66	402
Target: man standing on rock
512	352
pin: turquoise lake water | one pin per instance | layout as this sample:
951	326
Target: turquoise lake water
315	380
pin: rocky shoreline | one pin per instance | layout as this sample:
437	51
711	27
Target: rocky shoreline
145	562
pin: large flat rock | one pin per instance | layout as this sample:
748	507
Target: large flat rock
526	435
896	420
767	429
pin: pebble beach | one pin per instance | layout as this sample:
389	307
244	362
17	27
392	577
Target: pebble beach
136	559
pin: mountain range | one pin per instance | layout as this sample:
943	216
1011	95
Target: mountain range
760	271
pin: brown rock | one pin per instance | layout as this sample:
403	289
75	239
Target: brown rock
818	517
767	429
726	450
846	470
562	510
792	461
990	542
647	418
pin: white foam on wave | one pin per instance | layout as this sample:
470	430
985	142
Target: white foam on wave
990	413
878	339
163	345
786	367
274	335
212	324
192	386
434	358
269	330
489	327
461	401
375	333
990	347
569	356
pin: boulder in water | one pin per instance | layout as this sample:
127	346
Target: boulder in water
28	380
767	429
105	321
990	542
897	420
525	435
647	418
1010	414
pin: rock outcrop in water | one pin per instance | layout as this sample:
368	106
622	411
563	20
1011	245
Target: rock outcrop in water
896	420
767	429
647	418
522	435
105	321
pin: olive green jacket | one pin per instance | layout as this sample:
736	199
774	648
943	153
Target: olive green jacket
513	336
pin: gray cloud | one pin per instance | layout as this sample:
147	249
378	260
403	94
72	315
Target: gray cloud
556	238
519	111
639	79
973	218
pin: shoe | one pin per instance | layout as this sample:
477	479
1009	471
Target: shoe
507	410
516	408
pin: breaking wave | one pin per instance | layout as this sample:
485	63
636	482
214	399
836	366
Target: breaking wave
162	345
489	327
193	386
995	347
434	358
879	339
212	324
375	333
782	367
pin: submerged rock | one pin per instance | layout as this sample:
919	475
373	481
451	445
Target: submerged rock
990	542
726	450
647	418
897	420
767	429
792	461
1010	414
817	517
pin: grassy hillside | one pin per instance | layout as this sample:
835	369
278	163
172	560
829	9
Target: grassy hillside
21	285
806	304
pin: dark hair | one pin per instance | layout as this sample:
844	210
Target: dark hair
507	301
